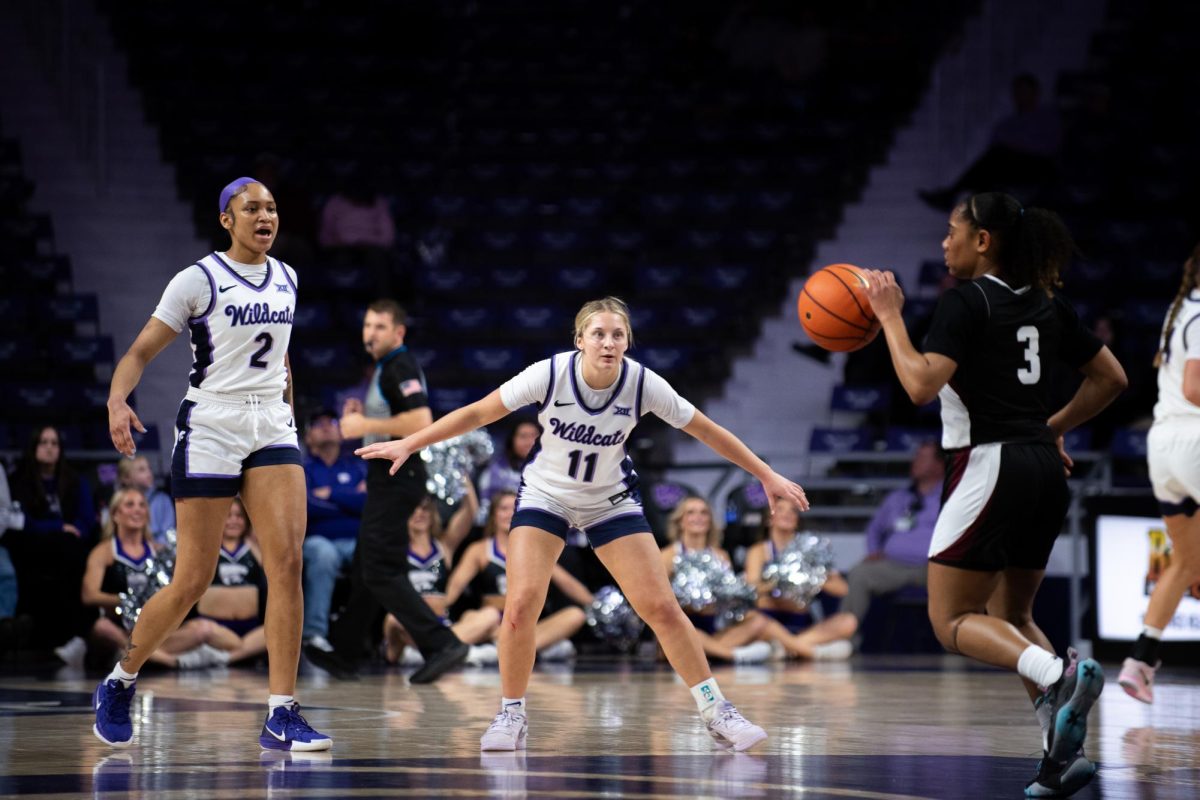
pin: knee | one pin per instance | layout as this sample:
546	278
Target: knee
946	630
284	565
662	612
522	608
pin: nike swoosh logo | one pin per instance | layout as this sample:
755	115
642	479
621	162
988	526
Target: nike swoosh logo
557	404
280	736
227	288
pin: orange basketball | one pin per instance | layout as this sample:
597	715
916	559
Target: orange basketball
834	309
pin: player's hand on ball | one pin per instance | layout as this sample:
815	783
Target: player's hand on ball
778	487
397	451
886	296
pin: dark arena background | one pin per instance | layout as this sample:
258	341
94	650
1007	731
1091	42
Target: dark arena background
492	166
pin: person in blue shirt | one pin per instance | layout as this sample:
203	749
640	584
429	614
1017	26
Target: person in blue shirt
337	490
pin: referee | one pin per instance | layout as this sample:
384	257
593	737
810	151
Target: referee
396	406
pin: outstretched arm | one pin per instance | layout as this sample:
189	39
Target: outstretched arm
148	344
732	449
457	422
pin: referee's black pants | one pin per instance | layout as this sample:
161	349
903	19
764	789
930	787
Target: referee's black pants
379	574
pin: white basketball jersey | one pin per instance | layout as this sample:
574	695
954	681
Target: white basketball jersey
1181	344
581	458
239	342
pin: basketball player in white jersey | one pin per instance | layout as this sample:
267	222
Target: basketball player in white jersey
236	434
579	476
1173	453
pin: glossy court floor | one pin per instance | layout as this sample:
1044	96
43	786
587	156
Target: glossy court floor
883	728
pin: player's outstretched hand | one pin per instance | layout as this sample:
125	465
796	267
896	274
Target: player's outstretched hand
886	296
120	419
397	451
776	486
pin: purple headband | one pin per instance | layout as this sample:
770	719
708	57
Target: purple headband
228	192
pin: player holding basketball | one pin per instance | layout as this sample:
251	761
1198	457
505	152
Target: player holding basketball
987	358
235	434
579	476
1173	453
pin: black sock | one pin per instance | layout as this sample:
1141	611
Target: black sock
1145	649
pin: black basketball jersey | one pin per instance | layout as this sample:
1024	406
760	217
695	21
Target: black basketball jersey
1006	342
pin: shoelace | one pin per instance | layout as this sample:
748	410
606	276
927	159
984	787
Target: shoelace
732	718
505	719
292	721
117	708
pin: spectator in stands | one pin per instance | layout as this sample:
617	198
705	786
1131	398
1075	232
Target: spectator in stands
898	539
1021	157
789	623
431	549
357	228
237	598
692	529
337	491
135	473
503	474
484	564
52	494
116	566
9	517
49	551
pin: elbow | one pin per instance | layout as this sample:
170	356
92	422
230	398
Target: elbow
1191	393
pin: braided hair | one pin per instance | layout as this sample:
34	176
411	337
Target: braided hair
1189	282
1031	246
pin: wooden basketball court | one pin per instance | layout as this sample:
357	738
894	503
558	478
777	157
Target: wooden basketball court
883	728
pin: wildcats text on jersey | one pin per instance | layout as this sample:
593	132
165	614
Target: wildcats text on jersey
258	314
580	434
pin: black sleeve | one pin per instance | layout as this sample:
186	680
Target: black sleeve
1079	345
403	385
959	315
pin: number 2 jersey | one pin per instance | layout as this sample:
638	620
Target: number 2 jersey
239	319
1006	343
580	458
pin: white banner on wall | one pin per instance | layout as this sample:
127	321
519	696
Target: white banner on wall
1131	552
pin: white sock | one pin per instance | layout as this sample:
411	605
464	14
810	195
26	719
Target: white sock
276	700
707	695
1152	633
1040	666
514	705
121	675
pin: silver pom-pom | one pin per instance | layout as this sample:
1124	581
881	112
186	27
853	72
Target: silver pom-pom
798	573
613	620
449	464
703	582
696	577
154	574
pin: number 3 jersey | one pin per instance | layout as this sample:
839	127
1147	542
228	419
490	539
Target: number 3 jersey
1007	344
580	457
239	319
